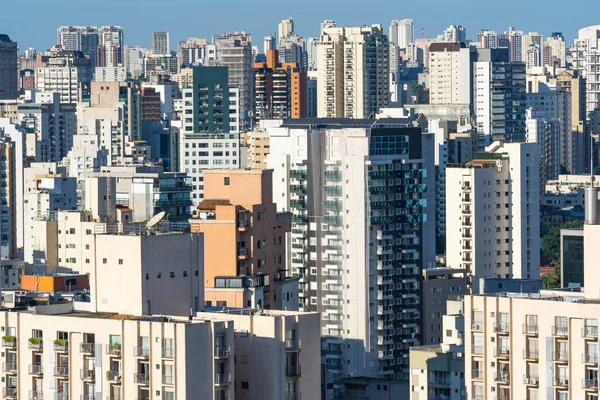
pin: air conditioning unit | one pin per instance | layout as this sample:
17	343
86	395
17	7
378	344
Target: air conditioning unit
533	381
525	380
476	327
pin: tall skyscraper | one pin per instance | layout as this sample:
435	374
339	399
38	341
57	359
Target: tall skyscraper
402	32
292	49
311	53
454	33
160	43
286	28
361	239
449	73
493	214
80	38
270	43
8	197
9	72
515	44
112	45
353	71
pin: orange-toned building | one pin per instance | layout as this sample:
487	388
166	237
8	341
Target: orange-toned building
55	283
279	89
244	236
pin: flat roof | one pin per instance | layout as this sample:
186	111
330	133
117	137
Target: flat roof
341	123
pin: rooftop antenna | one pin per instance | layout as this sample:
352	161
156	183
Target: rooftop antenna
422	32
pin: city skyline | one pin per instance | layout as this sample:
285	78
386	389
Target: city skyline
139	30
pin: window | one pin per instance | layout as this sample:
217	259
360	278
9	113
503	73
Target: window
172	274
60	335
226	181
221	304
37	333
244	385
120	261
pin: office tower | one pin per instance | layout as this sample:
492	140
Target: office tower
311	53
454	33
546	133
80	38
500	95
280	89
68	73
555	51
402	32
207	140
286	28
134	60
292	49
245	246
449	73
112	44
516	44
49	127
270	43
495	228
363	277
353	72
571	104
9	73
160	43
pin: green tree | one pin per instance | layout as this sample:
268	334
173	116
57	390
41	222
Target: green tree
551	249
421	95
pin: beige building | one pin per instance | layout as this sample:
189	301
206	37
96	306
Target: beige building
244	234
449	73
277	347
56	352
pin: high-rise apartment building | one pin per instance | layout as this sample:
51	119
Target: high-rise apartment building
112	45
546	133
402	33
8	197
66	72
499	95
555	51
160	43
80	38
363	277
492	218
516	44
449	73
285	28
353	72
453	34
292	49
9	72
279	89
134	60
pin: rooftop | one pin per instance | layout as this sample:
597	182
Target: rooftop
211	204
341	123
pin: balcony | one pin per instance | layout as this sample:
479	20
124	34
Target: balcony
561	331
502	328
560	356
501	352
502	377
168	380
242	226
9	367
222	351
530	329
61	396
9	393
113	349
113	376
141	378
87	374
477	374
115	396
477	326
590	332
243	254
89	397
562	381
87	348
532	380
531	354
61	346
141	352
35	369
167	352
590	358
35	344
477	350
590	384
292	371
292	396
223	378
36	395
61	372
10	342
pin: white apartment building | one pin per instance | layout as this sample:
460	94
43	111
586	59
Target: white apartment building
134	60
58	352
402	32
362	278
64	73
546	133
453	34
352	72
492	219
16	134
555	49
449	73
110	74
285	358
531	346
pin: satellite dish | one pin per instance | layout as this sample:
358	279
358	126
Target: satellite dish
155	220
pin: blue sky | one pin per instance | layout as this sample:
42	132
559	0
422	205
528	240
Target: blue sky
33	23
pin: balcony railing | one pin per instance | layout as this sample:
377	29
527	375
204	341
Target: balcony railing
589	332
477	349
36	395
560	381
87	348
292	345
222	351
86	374
477	374
590	384
531	379
61	371
113	349
223	378
10	366
292	371
141	378
167	352
502	327
9	393
560	356
140	351
35	369
35	344
168	380
61	396
113	376
9	342
590	358
502	377
89	397
61	345
531	354
501	351
530	329
560	330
